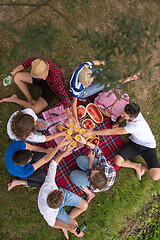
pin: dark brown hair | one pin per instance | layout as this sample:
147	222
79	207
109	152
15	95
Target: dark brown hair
21	157
55	199
132	109
99	180
22	125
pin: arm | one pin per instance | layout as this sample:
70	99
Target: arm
46	158
87	143
97	62
70	116
61	155
74	108
17	69
91	156
51	137
116	124
115	131
51	153
62	225
36	148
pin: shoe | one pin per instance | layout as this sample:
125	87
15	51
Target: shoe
7	81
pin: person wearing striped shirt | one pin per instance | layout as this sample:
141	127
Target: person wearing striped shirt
80	84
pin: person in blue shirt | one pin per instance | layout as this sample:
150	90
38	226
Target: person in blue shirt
81	86
24	160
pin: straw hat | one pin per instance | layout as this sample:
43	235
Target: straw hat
85	75
39	68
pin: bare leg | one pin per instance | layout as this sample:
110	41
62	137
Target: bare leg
21	79
16	182
154	173
119	161
9	99
37	107
76	211
90	194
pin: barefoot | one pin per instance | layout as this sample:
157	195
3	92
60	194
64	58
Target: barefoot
90	196
15	182
9	99
139	171
65	233
12	184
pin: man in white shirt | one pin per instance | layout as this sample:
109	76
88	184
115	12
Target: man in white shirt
52	199
142	142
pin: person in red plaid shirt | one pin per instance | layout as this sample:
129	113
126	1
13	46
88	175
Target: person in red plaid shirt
45	74
96	174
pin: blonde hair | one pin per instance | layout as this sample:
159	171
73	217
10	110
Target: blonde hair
85	75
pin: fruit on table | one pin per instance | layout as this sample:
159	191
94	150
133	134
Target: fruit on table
95	141
81	111
94	113
88	123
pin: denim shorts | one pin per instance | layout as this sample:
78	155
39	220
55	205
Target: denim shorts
69	199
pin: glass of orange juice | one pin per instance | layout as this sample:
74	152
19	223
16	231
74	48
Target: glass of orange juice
74	144
71	125
69	138
77	129
82	131
69	132
77	137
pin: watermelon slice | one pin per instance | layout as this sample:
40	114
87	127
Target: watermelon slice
81	111
94	113
88	123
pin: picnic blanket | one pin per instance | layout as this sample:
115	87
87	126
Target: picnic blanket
110	145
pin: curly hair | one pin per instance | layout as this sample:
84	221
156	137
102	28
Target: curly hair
99	180
55	199
22	125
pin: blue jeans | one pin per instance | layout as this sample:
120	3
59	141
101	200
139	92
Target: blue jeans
92	89
78	177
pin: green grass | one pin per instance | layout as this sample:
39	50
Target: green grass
109	213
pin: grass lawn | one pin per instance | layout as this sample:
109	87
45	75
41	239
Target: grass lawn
129	210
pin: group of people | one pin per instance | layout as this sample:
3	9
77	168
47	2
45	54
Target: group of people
24	160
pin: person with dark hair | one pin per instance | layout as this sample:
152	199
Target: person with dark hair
97	173
24	160
52	200
45	74
23	125
142	142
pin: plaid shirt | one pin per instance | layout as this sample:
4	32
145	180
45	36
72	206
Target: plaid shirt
54	80
105	166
